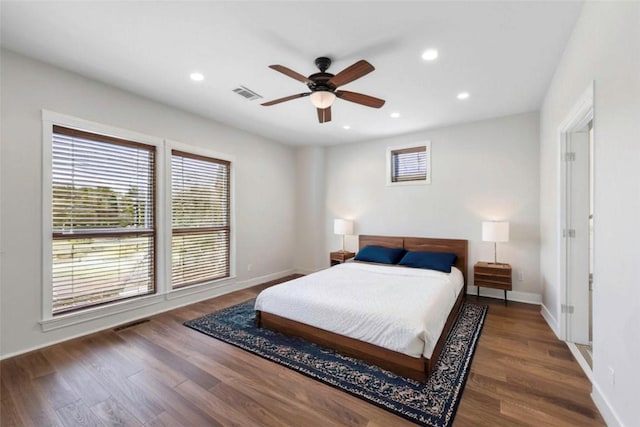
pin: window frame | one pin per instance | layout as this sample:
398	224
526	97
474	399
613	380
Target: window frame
163	290
171	293
389	159
195	152
150	231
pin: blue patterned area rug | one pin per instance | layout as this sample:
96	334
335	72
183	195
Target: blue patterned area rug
432	403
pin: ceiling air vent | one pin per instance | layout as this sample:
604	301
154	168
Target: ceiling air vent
246	93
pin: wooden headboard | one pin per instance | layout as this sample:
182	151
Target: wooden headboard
455	246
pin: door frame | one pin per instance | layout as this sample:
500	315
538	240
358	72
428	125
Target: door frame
580	115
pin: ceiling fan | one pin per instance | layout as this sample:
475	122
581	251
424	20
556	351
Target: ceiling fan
323	87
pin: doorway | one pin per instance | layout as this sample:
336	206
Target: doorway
577	240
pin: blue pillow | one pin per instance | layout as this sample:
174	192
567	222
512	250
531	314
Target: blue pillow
380	254
440	261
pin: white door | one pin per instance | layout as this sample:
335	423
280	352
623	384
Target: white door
577	236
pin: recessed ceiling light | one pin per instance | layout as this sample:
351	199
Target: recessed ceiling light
346	127
430	54
463	95
394	115
196	77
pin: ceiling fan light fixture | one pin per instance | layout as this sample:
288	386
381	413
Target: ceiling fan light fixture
322	99
323	87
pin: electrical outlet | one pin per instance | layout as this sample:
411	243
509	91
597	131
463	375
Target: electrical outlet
249	266
520	276
612	376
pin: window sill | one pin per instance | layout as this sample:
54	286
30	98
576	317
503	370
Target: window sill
65	320
198	288
401	183
90	314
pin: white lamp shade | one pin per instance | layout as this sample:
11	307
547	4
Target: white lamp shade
342	226
322	99
495	231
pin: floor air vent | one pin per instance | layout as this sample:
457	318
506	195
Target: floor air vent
246	93
130	325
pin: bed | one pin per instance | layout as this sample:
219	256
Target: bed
388	351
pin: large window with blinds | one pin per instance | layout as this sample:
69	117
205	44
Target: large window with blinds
409	164
200	219
103	219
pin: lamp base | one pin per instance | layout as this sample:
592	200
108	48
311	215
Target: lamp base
495	256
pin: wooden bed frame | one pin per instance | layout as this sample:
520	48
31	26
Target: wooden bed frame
417	368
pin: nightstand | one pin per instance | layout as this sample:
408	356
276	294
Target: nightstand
339	257
490	275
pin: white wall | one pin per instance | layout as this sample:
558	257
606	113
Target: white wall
264	190
310	209
605	48
481	171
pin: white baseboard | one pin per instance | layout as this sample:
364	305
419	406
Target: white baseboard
263	279
608	413
305	271
580	359
526	297
551	321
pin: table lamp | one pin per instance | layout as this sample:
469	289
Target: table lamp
495	231
342	227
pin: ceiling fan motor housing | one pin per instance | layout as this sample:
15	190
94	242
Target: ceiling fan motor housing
320	79
320	82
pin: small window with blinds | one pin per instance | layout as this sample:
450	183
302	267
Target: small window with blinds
409	164
103	219
200	219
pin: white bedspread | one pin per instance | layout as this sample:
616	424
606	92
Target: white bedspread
398	308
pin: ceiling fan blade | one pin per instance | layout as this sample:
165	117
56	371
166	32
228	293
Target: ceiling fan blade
286	98
351	73
360	98
324	115
289	72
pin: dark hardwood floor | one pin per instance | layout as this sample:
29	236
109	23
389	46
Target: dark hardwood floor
160	373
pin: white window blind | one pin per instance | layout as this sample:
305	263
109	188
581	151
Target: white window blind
103	223
200	209
409	164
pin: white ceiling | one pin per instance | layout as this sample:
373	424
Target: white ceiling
503	53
